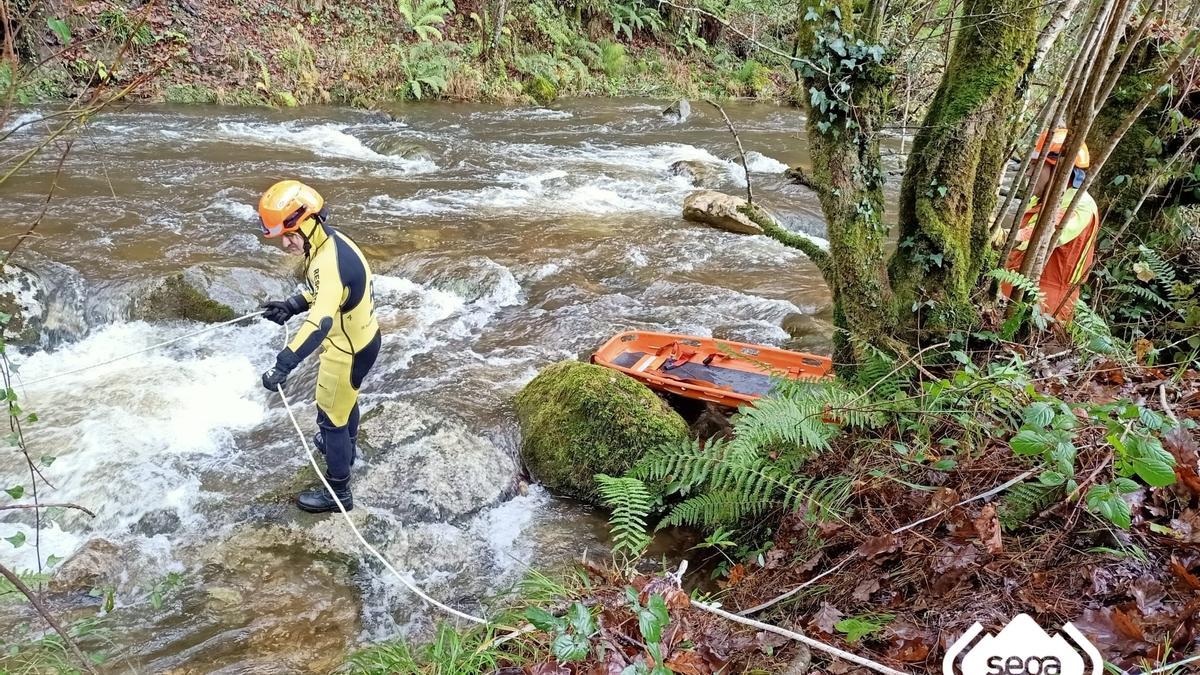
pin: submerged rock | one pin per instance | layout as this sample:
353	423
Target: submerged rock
401	146
177	297
679	111
578	420
719	210
808	333
700	174
96	563
426	466
23	298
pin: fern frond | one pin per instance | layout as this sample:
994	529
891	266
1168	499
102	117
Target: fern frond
1024	501
1145	294
1017	280
1164	272
630	502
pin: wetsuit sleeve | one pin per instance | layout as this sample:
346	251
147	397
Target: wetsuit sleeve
326	300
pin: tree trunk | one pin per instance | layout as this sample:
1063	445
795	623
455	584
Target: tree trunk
1135	167
949	187
843	126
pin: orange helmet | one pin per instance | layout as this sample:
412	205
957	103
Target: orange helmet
285	206
1082	158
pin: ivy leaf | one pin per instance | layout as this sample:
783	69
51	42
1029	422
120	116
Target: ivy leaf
569	648
47	460
5	318
52	560
543	620
17	540
16	491
61	29
1051	478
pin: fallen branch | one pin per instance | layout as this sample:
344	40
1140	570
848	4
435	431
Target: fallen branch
65	505
741	151
41	609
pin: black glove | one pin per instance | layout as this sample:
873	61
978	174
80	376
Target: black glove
280	311
274	378
285	363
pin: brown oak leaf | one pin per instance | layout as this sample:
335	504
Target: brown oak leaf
877	546
987	525
865	589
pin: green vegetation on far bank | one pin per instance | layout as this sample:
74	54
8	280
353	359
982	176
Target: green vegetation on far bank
288	53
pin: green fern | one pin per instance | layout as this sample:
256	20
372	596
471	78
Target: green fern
630	502
1017	280
424	16
1024	501
1146	294
728	482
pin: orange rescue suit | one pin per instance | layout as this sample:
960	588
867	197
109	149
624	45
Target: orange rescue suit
1071	259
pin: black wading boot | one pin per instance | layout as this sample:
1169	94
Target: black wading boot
318	499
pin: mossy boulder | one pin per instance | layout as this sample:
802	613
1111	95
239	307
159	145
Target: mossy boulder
578	420
398	145
176	298
541	89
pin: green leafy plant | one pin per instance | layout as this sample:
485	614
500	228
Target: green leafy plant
572	634
425	71
653	618
424	16
859	627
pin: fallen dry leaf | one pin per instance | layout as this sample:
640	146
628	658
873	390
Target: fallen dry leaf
1148	593
688	663
1110	634
550	667
825	618
736	574
987	525
1184	575
877	546
865	589
909	643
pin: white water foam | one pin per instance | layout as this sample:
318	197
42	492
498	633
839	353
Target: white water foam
25	120
501	527
133	437
324	140
760	163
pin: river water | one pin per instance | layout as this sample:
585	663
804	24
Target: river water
524	236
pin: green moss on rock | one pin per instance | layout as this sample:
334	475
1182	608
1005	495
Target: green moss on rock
578	420
174	298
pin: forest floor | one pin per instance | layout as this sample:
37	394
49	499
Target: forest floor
871	584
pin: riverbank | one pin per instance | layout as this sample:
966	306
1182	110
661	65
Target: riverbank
366	54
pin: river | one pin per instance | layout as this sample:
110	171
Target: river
521	236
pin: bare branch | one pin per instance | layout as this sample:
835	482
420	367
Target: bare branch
741	150
51	505
49	618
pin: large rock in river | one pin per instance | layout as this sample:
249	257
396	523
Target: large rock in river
679	111
429	467
719	210
578	420
23	299
177	297
699	174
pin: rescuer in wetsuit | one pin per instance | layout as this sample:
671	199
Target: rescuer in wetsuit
341	320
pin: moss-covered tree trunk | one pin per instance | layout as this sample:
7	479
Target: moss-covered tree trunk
950	184
845	79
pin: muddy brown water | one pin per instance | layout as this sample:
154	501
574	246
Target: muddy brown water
504	239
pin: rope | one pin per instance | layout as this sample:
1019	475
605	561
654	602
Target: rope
202	331
321	474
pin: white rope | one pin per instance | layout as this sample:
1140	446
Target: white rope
1172	666
321	474
847	559
815	644
152	347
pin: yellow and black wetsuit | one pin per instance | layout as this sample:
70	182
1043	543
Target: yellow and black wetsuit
341	320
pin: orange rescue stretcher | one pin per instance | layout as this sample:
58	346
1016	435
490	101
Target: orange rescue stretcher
719	371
